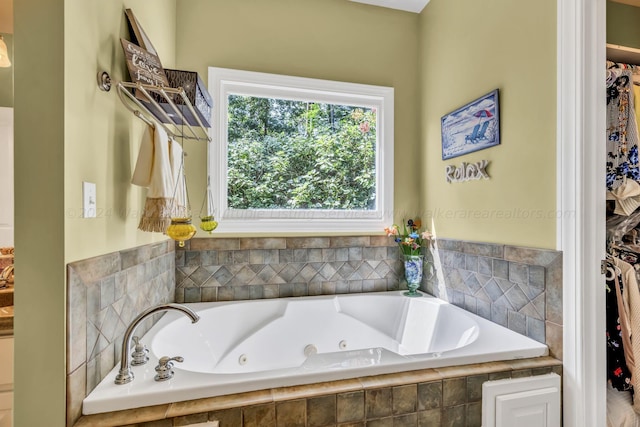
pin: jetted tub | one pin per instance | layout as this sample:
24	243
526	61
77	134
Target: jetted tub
251	345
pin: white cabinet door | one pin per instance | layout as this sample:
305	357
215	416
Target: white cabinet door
6	381
6	413
6	363
522	402
533	408
6	176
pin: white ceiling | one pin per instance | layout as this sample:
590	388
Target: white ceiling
415	6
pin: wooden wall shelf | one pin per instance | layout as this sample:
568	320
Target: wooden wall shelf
635	3
623	54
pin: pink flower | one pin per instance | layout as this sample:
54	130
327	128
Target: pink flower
364	127
409	239
391	231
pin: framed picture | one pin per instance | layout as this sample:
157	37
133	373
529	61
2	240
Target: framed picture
474	127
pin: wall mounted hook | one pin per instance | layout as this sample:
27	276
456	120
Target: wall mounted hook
104	81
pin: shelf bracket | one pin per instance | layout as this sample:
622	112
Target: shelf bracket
179	122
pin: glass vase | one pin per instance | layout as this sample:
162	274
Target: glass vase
413	274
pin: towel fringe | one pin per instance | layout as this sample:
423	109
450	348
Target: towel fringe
156	216
154	225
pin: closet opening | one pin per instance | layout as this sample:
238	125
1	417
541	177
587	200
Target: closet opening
622	264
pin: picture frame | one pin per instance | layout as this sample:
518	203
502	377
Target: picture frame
472	127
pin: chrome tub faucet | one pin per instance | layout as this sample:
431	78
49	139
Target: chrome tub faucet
125	375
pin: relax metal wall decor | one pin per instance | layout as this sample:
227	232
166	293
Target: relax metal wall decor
467	171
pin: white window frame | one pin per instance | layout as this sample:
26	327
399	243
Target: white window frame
224	81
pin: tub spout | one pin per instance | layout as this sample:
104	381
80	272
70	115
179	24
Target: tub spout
125	375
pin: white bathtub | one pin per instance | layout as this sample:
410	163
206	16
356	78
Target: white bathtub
251	345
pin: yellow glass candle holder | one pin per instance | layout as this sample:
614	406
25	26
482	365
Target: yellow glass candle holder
208	223
181	230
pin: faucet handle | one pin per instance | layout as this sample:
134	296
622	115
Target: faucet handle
139	355
164	369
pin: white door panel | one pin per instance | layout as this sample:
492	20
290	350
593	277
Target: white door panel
6	413
6	176
528	409
522	402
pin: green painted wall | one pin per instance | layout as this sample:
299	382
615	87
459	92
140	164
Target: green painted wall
328	39
467	49
622	24
6	75
66	132
102	136
39	373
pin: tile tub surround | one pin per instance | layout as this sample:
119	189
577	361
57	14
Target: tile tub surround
516	287
104	294
519	288
253	268
450	396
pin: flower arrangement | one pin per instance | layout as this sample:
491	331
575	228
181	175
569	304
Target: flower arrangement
410	241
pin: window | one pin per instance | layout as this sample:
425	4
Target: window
292	154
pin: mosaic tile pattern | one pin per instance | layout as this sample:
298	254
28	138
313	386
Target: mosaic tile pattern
519	288
236	269
105	294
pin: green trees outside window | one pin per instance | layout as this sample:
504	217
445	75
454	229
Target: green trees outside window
286	154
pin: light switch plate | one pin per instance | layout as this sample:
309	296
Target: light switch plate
88	200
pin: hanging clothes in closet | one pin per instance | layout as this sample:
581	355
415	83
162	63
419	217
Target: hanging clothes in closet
618	372
622	127
623	263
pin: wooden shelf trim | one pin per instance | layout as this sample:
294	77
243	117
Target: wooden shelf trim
623	54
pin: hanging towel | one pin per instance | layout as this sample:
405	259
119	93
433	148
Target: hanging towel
158	169
180	198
